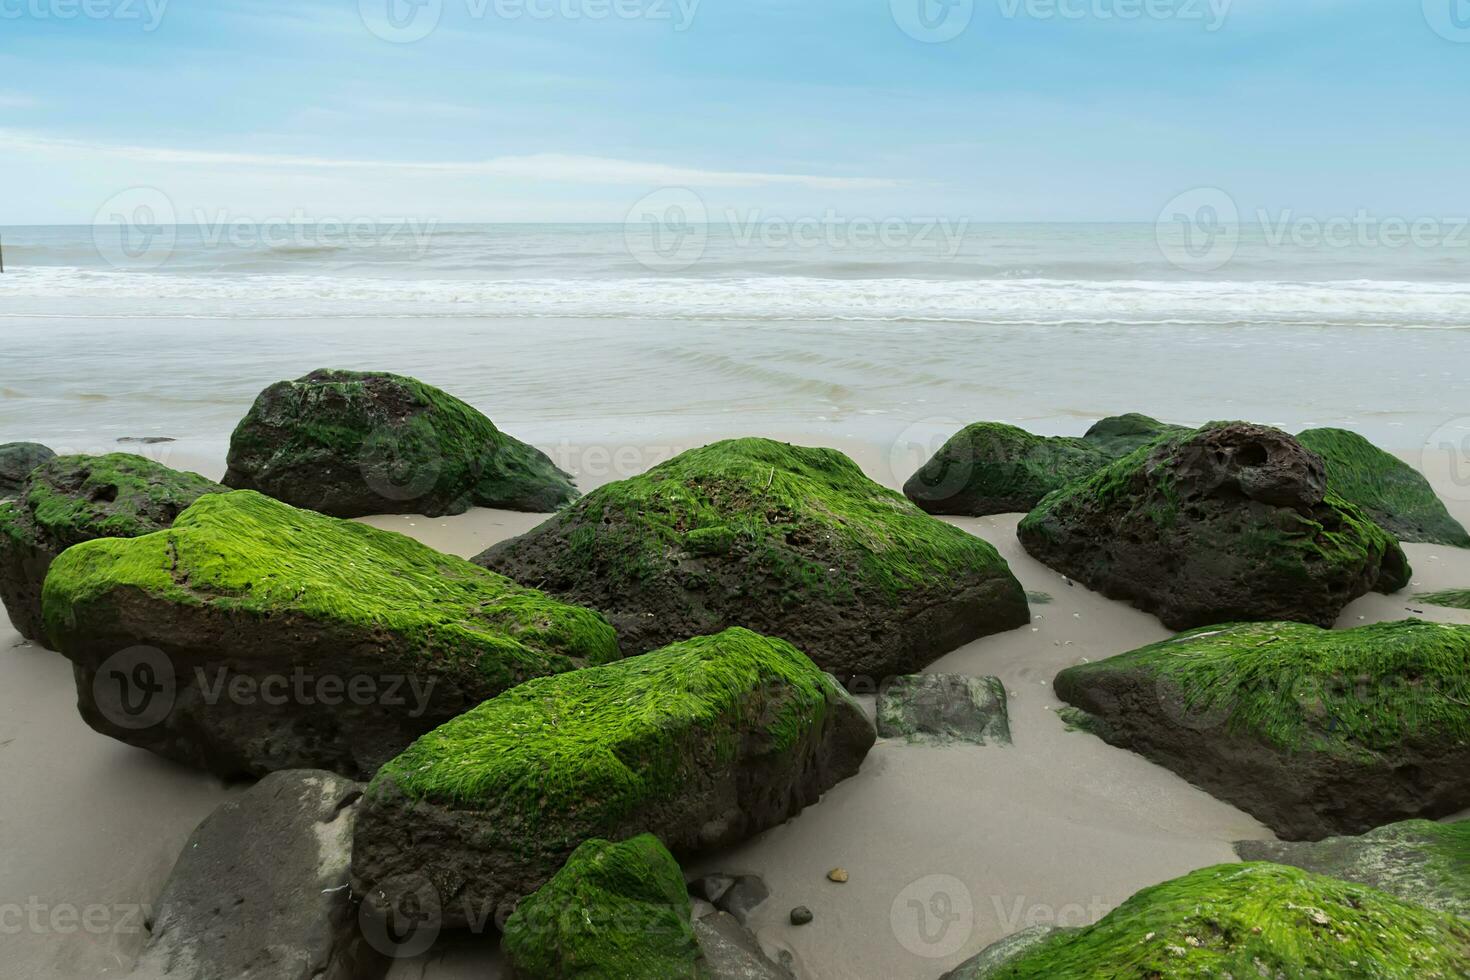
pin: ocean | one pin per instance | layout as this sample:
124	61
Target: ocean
894	333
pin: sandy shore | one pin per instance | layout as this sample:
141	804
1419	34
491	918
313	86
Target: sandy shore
948	849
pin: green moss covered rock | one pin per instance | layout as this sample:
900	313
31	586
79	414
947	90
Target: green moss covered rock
17	461
994	468
70	499
1314	732
1230	522
703	743
285	639
1419	861
1247	921
1387	489
613	912
350	443
793	542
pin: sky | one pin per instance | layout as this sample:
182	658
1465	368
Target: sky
578	110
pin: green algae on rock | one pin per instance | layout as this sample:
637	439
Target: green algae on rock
1230	522
70	499
1387	489
347	642
1246	920
703	743
995	468
613	911
352	443
944	708
17	461
792	542
1450	598
1419	861
1314	732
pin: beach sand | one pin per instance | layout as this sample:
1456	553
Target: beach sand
948	849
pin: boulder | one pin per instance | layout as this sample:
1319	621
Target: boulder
796	543
738	895
1231	522
1243	920
351	443
71	499
995	468
1388	490
614	910
261	891
994	957
17	460
252	636
1417	860
729	951
703	743
944	708
1314	732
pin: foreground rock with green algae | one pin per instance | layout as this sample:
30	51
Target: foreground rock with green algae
70	499
1231	522
792	542
1418	860
253	636
703	743
995	468
1388	490
1314	732
1245	921
351	443
614	910
17	461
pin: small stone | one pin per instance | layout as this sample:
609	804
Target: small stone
801	915
838	875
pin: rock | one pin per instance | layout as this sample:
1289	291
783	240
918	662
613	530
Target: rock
1314	732
737	895
1391	492
1231	522
796	543
71	499
703	743
614	910
351	443
730	952
253	636
1245	920
944	708
1418	860
17	460
261	891
994	957
801	915
995	468
146	440
838	875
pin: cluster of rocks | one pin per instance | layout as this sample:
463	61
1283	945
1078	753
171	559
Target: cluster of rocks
545	730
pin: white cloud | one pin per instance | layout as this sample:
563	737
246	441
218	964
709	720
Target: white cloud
550	167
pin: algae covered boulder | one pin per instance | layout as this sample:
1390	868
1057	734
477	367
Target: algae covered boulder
1230	522
1387	489
70	499
995	468
1244	921
1314	732
253	636
792	542
1417	860
614	910
703	743
944	708
350	443
17	460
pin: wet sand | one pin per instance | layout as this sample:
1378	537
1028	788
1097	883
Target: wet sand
948	849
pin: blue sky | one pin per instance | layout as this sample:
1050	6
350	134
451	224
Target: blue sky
266	109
